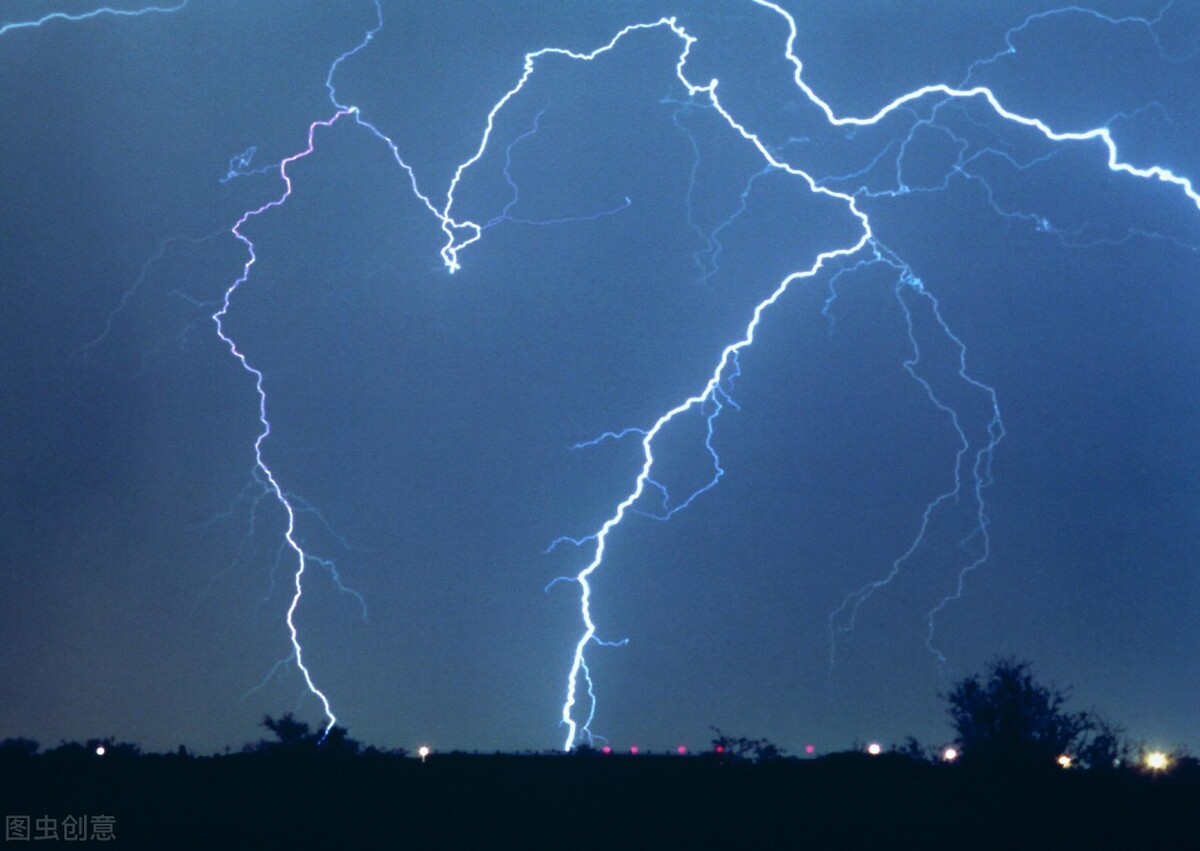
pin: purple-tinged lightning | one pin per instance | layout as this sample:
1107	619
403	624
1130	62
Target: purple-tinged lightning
239	166
261	464
974	456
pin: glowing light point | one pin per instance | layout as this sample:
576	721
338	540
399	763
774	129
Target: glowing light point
681	750
874	749
1157	761
100	750
950	754
423	752
810	749
634	750
606	749
1065	760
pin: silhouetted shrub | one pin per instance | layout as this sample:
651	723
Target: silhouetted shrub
1006	717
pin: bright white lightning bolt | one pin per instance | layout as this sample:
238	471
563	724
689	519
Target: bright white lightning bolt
1101	133
866	249
981	466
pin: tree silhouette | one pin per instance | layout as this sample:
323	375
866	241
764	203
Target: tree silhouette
291	732
18	748
1009	718
295	736
742	749
914	750
1106	746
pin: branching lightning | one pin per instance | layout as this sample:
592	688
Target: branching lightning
972	466
980	466
261	464
977	443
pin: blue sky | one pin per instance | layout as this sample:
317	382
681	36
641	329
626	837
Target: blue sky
422	422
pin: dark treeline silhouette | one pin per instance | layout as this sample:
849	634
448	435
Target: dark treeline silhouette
1007	719
298	789
295	738
729	748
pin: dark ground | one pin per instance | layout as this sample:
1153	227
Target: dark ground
282	800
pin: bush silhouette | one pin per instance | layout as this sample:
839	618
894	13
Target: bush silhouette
295	737
1006	717
741	749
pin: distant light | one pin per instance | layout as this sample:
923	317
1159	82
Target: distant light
874	749
949	754
633	750
606	749
423	752
100	750
681	750
809	749
1065	760
1157	761
720	749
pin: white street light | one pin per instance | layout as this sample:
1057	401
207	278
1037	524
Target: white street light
1157	761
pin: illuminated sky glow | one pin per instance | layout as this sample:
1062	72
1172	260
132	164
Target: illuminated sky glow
817	378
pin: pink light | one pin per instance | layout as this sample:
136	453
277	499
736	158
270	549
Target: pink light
633	750
809	749
720	749
606	749
681	750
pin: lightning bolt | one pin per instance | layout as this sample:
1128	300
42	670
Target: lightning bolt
239	166
980	460
972	461
260	463
87	16
976	447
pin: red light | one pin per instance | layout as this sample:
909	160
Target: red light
633	750
809	749
720	749
681	750
606	749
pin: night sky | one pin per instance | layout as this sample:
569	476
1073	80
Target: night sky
422	422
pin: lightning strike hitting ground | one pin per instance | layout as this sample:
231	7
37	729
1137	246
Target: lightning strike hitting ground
973	459
977	442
